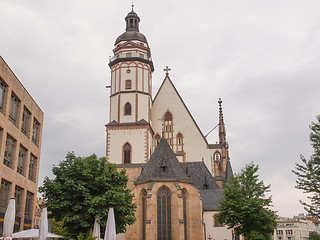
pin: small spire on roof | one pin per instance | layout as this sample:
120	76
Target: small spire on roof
222	130
132	5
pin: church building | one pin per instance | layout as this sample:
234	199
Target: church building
176	176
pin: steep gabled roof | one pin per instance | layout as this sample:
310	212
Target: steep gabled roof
163	166
167	78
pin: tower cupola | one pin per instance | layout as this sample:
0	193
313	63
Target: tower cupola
132	21
132	29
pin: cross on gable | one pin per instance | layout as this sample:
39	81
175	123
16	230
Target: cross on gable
167	69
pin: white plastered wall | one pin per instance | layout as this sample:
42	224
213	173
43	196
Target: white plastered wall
138	140
195	146
216	233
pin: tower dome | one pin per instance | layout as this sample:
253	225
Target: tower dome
132	29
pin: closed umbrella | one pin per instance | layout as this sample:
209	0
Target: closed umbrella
96	229
110	233
43	230
33	233
9	217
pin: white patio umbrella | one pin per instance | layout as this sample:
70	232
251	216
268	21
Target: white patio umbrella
32	233
110	233
43	230
96	228
9	217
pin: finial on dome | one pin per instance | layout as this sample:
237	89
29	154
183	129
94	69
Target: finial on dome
132	5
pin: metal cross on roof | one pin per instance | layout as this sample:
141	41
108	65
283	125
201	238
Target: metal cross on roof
167	69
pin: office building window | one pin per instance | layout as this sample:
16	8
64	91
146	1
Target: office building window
32	167
26	118
18	197
22	160
4	195
14	109
9	151
29	202
3	88
36	132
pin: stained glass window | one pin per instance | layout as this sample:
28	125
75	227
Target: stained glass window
164	213
144	213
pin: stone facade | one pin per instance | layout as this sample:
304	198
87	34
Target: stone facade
21	121
139	124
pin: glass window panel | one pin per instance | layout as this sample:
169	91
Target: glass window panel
32	167
14	109
22	160
35	132
26	117
29	201
9	151
4	195
3	88
18	197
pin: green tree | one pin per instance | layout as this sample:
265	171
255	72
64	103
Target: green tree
84	187
314	236
308	173
245	208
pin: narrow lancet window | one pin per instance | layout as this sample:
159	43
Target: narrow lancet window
127	153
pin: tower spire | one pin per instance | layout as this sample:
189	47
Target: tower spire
222	130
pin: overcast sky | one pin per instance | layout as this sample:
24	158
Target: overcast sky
261	57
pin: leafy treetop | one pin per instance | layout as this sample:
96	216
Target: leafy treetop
245	208
84	187
308	172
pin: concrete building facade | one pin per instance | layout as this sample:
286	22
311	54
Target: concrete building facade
296	228
21	121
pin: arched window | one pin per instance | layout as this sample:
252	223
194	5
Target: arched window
144	213
127	109
179	139
184	198
164	214
127	153
168	128
156	140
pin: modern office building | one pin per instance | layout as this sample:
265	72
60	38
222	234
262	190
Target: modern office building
20	144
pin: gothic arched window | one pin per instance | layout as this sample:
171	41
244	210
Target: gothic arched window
127	153
168	128
127	109
179	138
184	198
164	213
144	213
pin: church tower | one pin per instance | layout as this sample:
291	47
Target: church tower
129	131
